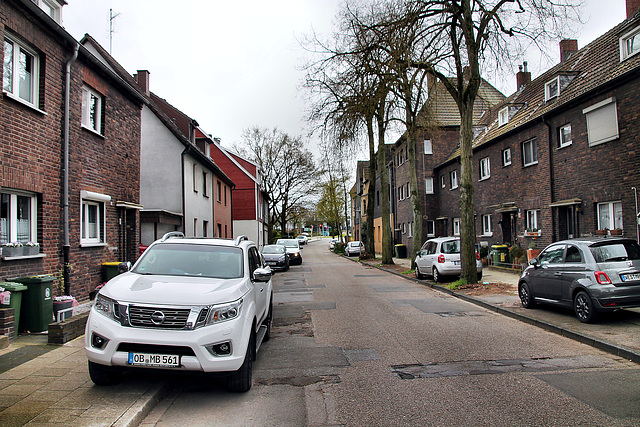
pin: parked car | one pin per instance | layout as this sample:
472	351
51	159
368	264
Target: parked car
293	250
302	239
440	257
276	257
332	243
590	275
354	248
187	304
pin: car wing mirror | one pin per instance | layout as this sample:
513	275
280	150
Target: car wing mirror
534	262
262	274
123	267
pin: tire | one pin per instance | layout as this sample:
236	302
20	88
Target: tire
104	375
419	275
526	297
241	380
584	308
437	277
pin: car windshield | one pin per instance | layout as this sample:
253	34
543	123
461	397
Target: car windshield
221	262
451	247
620	251
289	243
273	249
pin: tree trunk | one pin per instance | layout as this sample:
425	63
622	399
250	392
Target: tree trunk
416	205
387	238
371	194
468	237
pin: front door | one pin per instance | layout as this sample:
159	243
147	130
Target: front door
546	280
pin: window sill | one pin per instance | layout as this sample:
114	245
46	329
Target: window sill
568	144
484	179
23	257
25	103
486	235
530	164
88	129
93	245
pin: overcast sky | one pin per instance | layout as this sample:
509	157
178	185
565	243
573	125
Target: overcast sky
232	65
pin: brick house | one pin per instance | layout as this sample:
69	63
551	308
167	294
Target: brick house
86	213
250	200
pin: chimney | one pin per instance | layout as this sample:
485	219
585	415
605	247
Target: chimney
523	77
142	78
567	48
632	7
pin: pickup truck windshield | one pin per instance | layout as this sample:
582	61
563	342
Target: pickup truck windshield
221	262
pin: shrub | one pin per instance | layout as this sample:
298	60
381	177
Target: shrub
338	247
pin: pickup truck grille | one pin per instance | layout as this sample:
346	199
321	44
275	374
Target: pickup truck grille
158	317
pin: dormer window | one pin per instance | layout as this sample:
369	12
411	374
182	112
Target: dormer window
552	89
503	116
51	8
630	44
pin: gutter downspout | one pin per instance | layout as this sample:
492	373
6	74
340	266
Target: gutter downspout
66	262
551	178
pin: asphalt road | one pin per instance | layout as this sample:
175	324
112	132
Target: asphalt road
355	346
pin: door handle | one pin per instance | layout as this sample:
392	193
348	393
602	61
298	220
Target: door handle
557	274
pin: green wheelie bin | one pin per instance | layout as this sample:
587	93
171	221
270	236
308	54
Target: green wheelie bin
37	302
13	300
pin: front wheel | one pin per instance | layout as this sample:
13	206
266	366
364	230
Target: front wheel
526	297
104	375
240	381
419	275
584	308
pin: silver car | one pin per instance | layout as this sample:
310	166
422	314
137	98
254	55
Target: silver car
441	257
276	257
590	275
354	248
293	250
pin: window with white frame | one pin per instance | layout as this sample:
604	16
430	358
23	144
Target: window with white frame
443	182
533	220
456	226
630	44
610	215
428	185
485	168
19	217
506	157
410	228
195	177
602	122
408	194
428	147
453	177
51	8
564	136
93	218
530	152
552	89
431	228
219	191
21	72
503	116
486	225
91	110
404	228
205	181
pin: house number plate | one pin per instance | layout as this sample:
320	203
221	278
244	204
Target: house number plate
158	360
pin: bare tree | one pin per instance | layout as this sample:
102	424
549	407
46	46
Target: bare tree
288	171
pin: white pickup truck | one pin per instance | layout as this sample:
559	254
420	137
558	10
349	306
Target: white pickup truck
192	304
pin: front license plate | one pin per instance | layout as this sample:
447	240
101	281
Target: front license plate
158	360
628	277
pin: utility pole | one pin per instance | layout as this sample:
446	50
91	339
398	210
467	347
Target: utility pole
111	18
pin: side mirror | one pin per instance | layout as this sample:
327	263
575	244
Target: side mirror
534	262
262	274
123	267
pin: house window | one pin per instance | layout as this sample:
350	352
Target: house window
533	220
19	219
443	183
225	198
428	148
602	122
431	228
610	215
506	157
485	168
530	152
503	116
486	225
410	226
195	226
453	176
552	89
218	191
408	194
91	110
51	8
378	197
93	218
404	228
20	75
205	177
195	177
428	185
564	137
630	44
456	226
205	228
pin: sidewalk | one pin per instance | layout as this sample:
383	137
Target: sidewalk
617	333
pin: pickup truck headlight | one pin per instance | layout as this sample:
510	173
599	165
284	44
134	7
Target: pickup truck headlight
223	312
106	306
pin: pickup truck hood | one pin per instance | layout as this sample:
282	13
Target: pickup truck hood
174	290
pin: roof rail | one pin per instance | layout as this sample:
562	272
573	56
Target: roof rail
172	234
240	239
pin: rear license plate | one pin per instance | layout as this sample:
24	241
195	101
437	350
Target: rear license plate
456	262
628	277
157	360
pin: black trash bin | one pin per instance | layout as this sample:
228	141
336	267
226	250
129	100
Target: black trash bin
401	251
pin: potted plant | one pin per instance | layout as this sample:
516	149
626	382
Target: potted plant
531	232
616	232
532	252
516	253
12	249
31	248
62	301
602	232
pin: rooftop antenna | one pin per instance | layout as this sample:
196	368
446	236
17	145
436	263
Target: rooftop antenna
111	18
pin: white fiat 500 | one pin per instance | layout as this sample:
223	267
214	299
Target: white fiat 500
187	304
